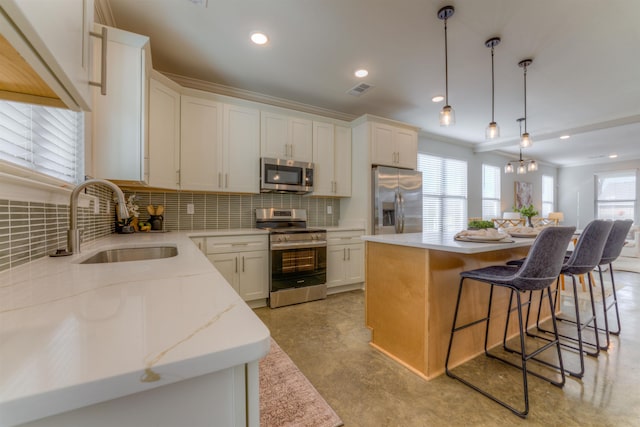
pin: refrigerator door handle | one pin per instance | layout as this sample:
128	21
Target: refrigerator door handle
396	211
401	220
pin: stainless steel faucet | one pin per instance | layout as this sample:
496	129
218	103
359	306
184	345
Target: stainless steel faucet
73	235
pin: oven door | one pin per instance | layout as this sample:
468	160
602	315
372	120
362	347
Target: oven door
298	267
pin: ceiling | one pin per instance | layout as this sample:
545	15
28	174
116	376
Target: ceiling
584	79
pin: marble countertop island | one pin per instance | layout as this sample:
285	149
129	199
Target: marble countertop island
444	241
73	334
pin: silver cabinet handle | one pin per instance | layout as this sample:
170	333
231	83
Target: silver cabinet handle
102	84
243	264
219	180
236	264
226	180
344	254
178	178
292	147
349	254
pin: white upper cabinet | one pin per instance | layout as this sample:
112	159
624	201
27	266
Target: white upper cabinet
286	137
120	126
201	144
241	149
394	146
220	146
164	135
53	38
331	159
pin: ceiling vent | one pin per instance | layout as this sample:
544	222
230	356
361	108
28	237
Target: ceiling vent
360	89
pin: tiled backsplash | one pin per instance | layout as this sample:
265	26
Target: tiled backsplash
30	230
227	211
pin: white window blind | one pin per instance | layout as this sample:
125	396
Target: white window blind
444	192
43	139
490	192
615	195
547	195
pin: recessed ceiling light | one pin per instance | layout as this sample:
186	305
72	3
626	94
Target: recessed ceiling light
565	137
361	73
613	156
437	98
259	38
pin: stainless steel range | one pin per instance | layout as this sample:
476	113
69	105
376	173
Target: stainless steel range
298	256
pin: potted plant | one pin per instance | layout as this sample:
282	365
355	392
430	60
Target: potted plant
527	212
480	225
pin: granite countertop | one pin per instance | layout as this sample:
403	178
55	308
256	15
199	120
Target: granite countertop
73	335
444	242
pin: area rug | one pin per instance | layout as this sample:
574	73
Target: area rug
287	398
627	264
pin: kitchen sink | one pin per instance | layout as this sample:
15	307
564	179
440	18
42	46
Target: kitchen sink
131	254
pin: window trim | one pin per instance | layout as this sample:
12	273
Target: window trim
499	193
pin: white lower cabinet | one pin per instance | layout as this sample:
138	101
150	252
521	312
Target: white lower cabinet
345	258
243	261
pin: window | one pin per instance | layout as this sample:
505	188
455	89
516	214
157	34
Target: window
43	139
547	195
615	195
444	192
490	192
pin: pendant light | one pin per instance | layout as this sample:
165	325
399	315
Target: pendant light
525	138
523	166
447	115
493	130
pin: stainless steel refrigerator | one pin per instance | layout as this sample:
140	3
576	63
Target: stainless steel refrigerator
397	200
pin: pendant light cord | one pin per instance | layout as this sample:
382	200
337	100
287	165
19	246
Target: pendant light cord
525	99
446	66
492	89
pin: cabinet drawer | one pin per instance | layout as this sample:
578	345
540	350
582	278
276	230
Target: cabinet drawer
216	245
344	237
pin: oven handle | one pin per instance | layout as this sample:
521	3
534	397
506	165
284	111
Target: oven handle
301	245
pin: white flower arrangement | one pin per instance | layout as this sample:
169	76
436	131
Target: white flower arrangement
134	210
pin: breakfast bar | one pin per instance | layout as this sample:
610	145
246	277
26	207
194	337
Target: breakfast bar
412	284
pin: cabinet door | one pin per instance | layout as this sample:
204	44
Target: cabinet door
300	139
254	275
119	137
354	271
342	162
336	260
382	145
62	27
227	265
323	159
241	149
274	141
200	144
164	136
406	142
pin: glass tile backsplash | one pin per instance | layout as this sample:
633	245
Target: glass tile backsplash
30	230
229	211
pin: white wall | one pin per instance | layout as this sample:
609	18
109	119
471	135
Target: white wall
474	174
577	195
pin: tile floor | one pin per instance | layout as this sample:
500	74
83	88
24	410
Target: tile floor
329	343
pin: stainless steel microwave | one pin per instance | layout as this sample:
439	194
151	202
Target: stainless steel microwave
280	175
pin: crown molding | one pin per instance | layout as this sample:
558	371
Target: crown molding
248	95
103	13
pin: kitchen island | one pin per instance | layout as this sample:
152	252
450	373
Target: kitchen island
162	342
411	288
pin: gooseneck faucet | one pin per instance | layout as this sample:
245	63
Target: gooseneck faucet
73	235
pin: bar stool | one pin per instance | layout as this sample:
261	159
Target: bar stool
611	252
538	272
584	258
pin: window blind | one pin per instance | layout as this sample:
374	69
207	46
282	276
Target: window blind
615	195
43	139
547	195
444	192
490	192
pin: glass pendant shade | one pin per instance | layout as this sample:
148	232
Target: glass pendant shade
525	140
447	116
493	131
522	169
508	168
532	166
